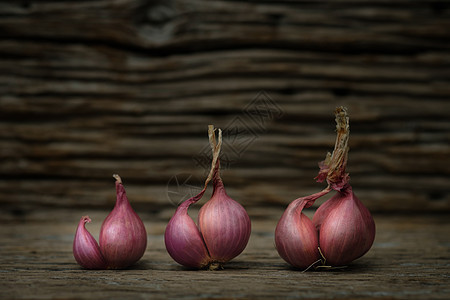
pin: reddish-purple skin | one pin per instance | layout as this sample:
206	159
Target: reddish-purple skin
323	211
85	248
123	238
224	225
224	230
296	238
346	228
183	240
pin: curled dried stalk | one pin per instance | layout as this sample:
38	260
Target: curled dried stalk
333	167
215	146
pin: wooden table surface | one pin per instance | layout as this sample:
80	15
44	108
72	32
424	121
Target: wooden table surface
410	259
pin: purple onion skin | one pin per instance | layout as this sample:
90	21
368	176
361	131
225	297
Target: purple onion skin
346	228
85	248
224	225
183	240
123	238
297	240
323	211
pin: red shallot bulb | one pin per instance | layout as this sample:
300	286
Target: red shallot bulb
296	238
224	225
85	248
123	238
345	228
183	240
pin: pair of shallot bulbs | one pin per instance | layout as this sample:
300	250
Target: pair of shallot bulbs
341	231
342	228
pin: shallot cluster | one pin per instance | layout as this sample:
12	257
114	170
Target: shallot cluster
342	228
223	227
123	238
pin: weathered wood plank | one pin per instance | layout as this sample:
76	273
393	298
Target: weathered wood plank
130	87
409	260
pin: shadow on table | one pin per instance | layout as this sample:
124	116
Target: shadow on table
239	265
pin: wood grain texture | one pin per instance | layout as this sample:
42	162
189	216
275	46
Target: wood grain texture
409	260
92	88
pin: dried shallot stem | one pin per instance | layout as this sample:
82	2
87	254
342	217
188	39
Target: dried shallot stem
215	146
333	167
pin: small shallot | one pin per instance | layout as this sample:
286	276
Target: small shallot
224	225
85	248
123	238
296	238
344	229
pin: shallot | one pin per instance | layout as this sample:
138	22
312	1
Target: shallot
342	228
224	225
123	238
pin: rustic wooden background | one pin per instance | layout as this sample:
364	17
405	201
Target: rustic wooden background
93	88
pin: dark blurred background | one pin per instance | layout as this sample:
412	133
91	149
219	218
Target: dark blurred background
93	88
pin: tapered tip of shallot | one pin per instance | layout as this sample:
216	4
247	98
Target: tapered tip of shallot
117	177
86	219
